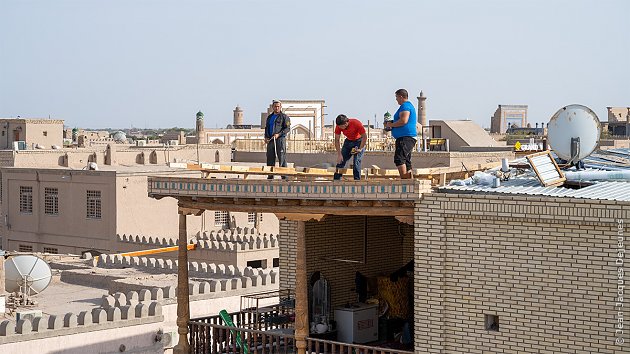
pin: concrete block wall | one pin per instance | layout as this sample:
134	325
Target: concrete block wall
343	238
544	266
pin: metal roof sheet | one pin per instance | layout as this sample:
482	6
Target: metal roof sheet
619	191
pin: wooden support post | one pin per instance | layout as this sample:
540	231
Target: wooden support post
183	306
301	290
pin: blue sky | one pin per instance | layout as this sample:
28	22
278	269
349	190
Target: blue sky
155	63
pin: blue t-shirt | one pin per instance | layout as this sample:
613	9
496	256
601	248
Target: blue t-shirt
272	122
408	129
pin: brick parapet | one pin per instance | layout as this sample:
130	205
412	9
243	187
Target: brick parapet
545	266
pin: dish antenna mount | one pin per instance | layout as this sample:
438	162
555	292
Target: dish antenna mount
27	275
573	132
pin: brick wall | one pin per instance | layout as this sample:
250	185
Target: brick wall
545	266
287	241
342	237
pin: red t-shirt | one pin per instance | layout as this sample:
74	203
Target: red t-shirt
354	130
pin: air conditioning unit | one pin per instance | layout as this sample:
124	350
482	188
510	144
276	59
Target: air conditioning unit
173	142
19	145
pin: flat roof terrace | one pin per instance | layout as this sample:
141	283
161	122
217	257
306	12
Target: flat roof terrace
366	197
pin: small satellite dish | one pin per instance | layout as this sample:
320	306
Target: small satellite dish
26	274
573	132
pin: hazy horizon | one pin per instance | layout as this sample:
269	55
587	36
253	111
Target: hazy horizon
154	64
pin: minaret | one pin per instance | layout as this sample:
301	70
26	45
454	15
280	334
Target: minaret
199	129
422	110
238	116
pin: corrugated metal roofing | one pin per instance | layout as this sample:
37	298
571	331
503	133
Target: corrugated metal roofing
531	186
612	160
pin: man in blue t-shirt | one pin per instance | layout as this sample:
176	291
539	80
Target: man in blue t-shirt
404	130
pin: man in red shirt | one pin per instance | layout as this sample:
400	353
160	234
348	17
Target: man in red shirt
353	146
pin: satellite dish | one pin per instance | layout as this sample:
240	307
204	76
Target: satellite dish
27	274
573	132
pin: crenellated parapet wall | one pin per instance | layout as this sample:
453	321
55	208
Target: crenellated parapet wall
230	246
150	240
220	277
228	239
236	239
100	318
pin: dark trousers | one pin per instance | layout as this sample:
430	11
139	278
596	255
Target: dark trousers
280	151
346	155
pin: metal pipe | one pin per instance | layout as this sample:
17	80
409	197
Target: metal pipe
597	175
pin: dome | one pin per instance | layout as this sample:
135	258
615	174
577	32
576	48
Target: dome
120	137
199	115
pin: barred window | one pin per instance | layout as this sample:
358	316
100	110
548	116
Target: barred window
93	204
25	248
251	218
26	199
221	218
51	250
51	201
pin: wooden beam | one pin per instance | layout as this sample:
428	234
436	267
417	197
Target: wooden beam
302	209
405	219
189	211
300	217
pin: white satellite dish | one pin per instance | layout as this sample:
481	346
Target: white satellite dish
26	274
573	132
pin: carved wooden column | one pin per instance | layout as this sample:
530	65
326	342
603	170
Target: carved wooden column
183	306
301	290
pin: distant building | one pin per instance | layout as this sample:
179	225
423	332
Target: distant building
619	121
461	134
30	133
57	210
507	116
307	113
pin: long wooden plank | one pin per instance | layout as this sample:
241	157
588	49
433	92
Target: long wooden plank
374	172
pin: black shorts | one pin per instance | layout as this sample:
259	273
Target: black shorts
404	147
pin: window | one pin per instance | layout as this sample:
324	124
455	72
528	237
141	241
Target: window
93	204
25	248
26	200
51	250
276	262
51	201
45	133
255	264
491	322
221	218
251	218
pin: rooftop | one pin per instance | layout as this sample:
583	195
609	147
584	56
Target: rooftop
528	184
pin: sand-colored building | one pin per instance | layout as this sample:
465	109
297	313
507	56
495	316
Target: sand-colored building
30	133
73	211
508	115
